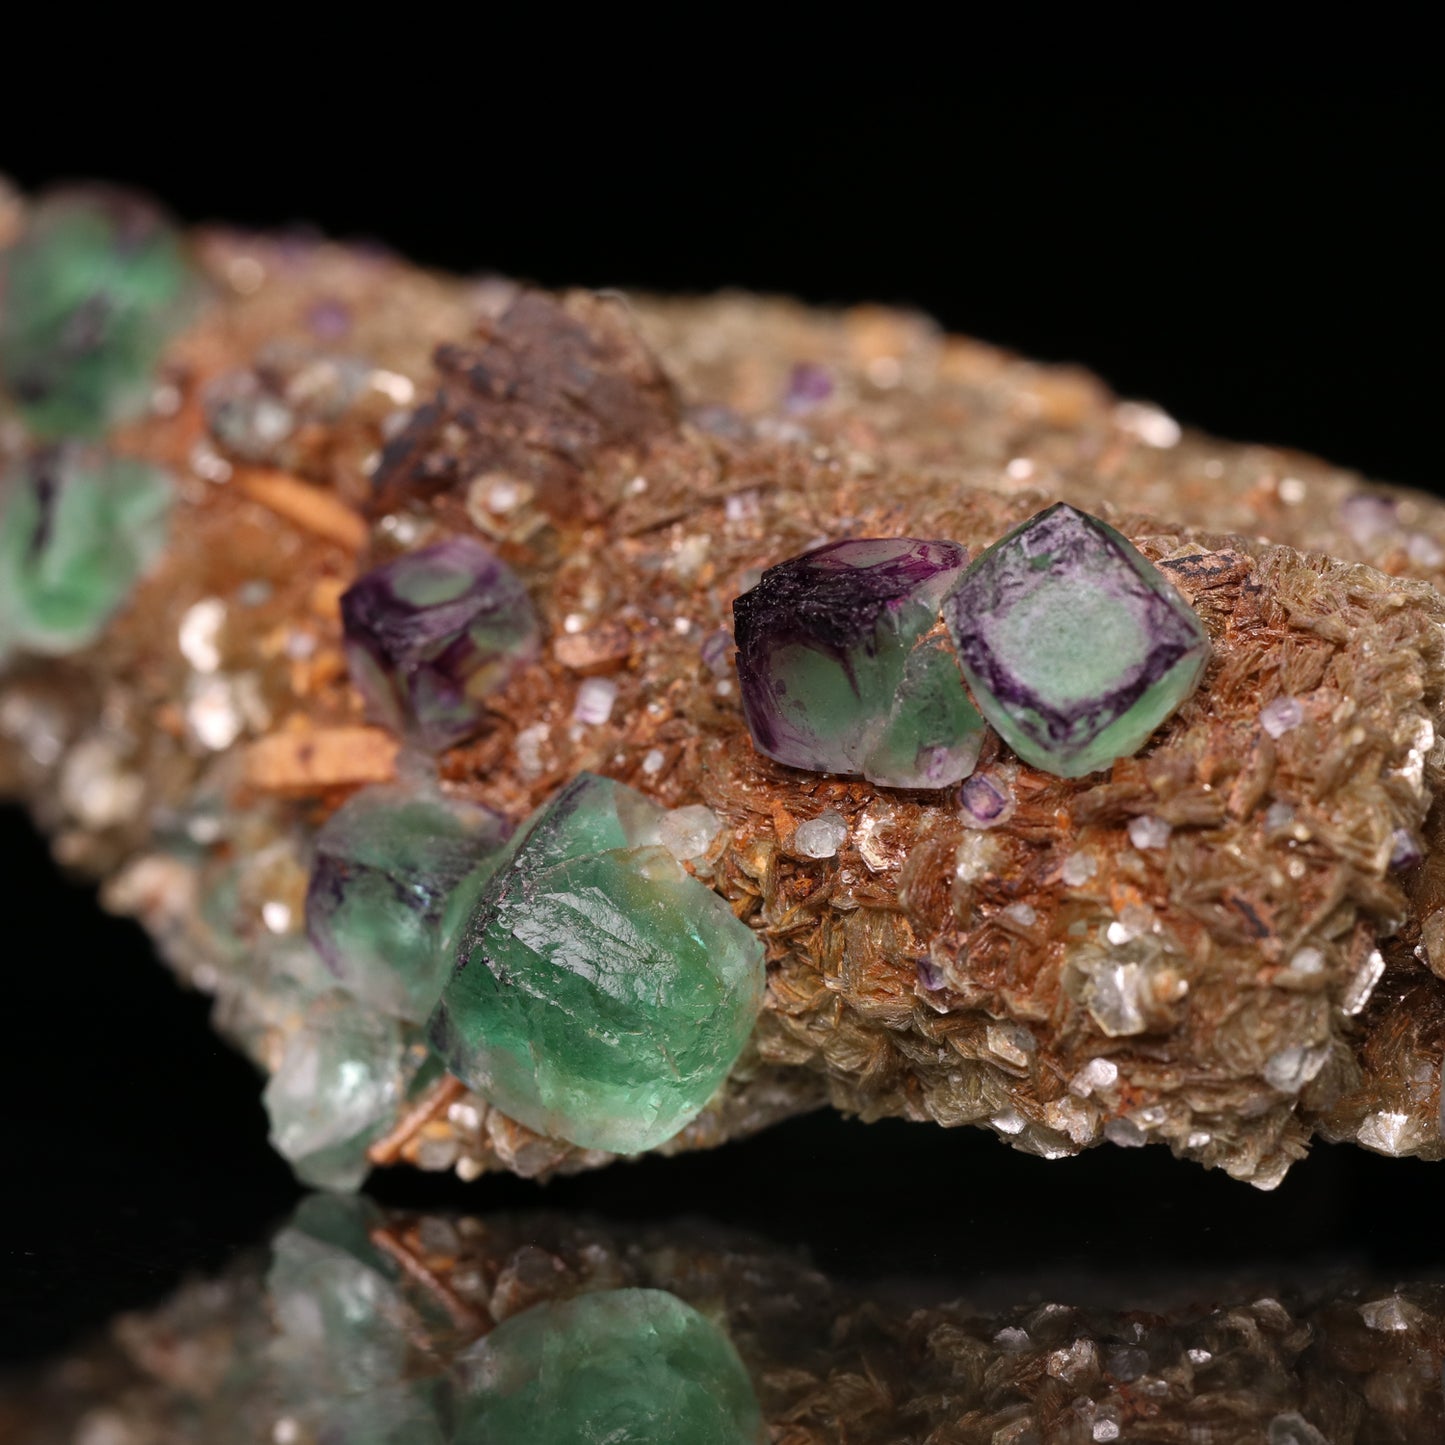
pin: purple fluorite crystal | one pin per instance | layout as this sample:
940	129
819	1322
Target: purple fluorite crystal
839	671
430	634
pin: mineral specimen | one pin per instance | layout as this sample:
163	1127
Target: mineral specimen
393	1328
91	291
1075	646
841	670
431	634
1220	943
77	531
600	994
386	865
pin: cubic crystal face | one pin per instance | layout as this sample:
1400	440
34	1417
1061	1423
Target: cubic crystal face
386	864
600	994
624	1366
1076	648
430	634
88	296
842	670
76	533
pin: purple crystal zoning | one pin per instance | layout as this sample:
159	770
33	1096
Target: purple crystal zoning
844	671
1405	851
430	634
982	800
1074	645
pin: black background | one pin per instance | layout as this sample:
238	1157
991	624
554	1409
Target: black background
1259	255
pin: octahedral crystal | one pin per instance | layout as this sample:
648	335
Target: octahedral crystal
630	1366
386	864
432	633
88	297
77	530
1075	646
600	994
841	671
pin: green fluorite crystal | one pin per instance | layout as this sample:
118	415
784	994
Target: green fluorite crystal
1076	646
88	296
386	864
600	993
619	1367
76	534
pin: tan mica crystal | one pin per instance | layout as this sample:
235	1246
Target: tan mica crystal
1203	947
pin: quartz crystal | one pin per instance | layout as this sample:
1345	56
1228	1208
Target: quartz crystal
600	994
430	634
617	1367
76	533
88	296
842	671
386	864
1075	646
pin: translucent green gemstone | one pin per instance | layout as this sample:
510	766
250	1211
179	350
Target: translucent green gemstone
386	865
1076	647
618	1367
600	993
341	1082
76	534
88	296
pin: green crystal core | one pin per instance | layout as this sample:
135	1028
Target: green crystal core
617	1367
600	993
76	534
89	295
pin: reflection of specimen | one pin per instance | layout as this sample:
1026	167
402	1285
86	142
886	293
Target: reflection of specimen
471	543
369	1327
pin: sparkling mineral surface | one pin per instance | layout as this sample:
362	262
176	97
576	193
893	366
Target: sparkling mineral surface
88	296
374	1327
842	672
600	993
1074	645
624	1365
77	531
1227	943
431	634
386	866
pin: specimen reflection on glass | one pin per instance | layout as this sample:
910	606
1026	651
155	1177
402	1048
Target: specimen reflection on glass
366	1326
476	542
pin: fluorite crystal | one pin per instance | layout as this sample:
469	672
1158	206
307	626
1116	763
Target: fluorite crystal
88	296
1075	646
616	1367
76	533
339	1084
600	994
430	634
386	864
842	671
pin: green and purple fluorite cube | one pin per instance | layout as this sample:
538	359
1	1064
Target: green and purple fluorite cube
599	993
432	633
1075	646
844	668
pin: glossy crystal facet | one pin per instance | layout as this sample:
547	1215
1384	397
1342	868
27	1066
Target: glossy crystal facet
77	532
1075	646
844	668
432	633
89	295
386	864
600	993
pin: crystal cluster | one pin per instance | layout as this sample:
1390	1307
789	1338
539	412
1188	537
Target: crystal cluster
1074	645
842	671
600	993
88	296
430	634
77	531
386	865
